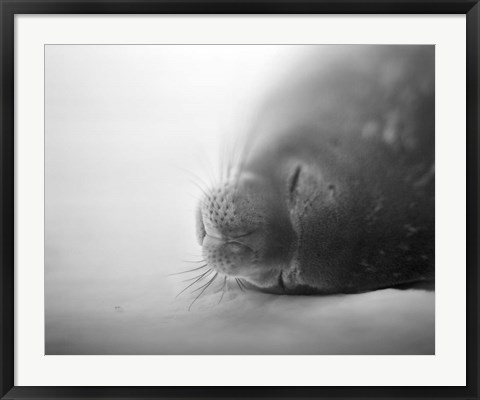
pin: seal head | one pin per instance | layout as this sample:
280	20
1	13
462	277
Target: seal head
336	191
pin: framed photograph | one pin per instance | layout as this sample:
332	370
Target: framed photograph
249	200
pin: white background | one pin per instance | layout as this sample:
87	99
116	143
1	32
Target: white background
33	368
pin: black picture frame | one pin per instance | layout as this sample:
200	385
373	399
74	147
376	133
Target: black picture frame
8	9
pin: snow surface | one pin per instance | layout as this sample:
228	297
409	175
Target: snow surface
388	321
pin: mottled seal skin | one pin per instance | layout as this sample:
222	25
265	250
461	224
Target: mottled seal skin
335	192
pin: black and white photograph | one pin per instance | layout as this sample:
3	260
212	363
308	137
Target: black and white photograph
239	199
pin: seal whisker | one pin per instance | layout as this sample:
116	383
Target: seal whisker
209	170
194	262
189	270
191	279
193	283
195	255
223	162
240	286
230	162
206	284
195	179
201	182
197	198
223	289
236	157
205	288
244	151
231	156
205	191
195	176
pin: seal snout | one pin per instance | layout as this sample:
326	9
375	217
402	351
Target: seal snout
227	230
244	230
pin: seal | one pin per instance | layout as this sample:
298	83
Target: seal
334	191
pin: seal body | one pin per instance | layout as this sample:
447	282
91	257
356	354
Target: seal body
335	189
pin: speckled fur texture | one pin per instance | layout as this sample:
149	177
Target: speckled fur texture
335	191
